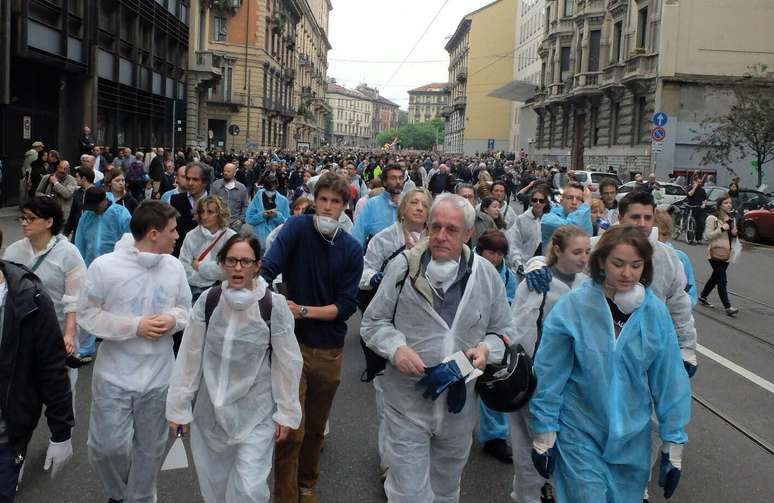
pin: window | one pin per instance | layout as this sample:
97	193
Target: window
615	109
642	28
548	19
594	40
617	38
219	29
579	54
594	125
568	8
641	124
564	64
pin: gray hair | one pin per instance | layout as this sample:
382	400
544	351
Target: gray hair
456	202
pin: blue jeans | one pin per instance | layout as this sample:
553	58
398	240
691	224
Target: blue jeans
491	424
9	474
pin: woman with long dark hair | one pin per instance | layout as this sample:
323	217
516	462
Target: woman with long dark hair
720	231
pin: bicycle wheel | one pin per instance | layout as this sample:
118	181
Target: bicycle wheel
690	230
677	225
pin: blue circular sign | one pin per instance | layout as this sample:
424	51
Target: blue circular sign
660	119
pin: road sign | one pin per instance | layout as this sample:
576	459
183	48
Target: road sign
490	143
658	134
660	119
657	147
233	130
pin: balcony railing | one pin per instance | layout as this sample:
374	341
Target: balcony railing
460	102
613	73
462	76
587	80
208	62
641	66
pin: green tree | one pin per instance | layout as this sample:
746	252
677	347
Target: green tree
418	136
402	117
746	130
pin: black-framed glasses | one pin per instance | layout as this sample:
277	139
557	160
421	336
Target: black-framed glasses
28	219
536	200
244	262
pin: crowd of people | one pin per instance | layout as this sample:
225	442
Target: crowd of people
220	287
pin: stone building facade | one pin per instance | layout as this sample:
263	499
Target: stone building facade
609	65
352	114
426	102
385	112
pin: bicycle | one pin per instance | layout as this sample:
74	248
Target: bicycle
685	223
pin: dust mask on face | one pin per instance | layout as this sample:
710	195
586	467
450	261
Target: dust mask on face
326	226
627	302
240	299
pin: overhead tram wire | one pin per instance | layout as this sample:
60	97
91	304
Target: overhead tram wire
432	21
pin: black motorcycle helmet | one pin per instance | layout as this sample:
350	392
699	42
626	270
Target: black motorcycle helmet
508	386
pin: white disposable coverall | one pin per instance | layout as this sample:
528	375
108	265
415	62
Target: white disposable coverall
523	239
380	247
427	447
527	482
194	244
243	389
127	428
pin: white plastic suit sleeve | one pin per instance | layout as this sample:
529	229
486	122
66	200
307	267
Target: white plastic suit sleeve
209	270
286	365
535	263
525	310
381	246
675	452
74	277
500	322
92	318
515	253
187	373
681	309
670	387
377	328
544	441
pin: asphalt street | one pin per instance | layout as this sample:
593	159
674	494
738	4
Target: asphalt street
726	459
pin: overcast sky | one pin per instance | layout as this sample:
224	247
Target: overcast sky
372	30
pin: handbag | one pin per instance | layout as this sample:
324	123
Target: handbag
720	253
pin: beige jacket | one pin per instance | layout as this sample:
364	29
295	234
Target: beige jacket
715	235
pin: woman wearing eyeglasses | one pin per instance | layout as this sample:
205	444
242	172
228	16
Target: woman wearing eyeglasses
201	245
55	260
241	361
524	235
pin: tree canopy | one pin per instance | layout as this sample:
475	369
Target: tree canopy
415	136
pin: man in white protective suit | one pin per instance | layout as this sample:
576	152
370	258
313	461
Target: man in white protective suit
134	298
435	300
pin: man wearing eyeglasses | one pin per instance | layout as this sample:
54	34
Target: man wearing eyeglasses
196	179
575	209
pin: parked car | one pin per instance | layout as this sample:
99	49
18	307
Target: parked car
667	195
759	224
591	179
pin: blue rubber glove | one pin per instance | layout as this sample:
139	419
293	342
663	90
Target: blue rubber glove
455	397
540	280
544	453
438	378
376	279
670	468
690	368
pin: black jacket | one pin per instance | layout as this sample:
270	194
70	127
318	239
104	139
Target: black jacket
185	222
76	209
32	361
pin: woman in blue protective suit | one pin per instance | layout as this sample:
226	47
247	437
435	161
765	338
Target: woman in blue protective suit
609	357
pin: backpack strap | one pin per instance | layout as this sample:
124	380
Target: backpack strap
213	297
265	306
540	323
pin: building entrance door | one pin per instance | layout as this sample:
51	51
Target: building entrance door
578	143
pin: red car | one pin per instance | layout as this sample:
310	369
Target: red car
759	224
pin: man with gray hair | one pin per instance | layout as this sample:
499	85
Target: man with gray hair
234	193
436	300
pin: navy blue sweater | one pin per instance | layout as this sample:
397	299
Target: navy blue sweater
317	273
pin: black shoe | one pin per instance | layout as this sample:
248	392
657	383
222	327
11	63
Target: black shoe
498	448
547	493
731	311
111	500
704	302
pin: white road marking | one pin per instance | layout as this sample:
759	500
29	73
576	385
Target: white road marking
754	378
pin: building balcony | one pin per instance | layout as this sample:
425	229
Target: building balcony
446	111
272	105
613	74
562	25
460	102
462	76
586	83
207	66
235	100
290	73
640	66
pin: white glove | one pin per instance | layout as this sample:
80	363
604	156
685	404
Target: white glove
535	264
57	455
688	355
544	441
675	452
